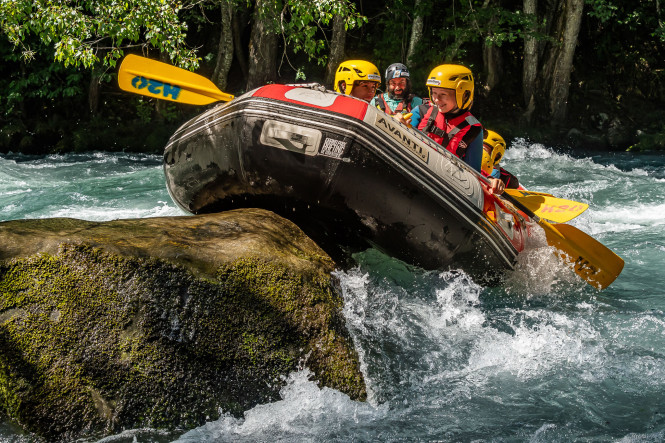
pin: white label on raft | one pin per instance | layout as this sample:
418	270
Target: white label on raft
333	148
311	97
445	165
290	137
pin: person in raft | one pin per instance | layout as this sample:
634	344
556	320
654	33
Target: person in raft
399	100
357	78
494	148
446	118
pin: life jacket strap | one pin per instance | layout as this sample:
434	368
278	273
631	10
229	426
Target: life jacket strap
431	127
383	105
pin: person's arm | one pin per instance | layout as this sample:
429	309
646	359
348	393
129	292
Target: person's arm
509	179
467	144
415	117
415	102
474	150
496	186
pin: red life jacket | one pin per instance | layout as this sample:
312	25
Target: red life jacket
433	123
383	105
444	131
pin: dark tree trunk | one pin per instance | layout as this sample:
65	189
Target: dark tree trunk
239	23
547	67
492	62
263	45
337	44
530	66
563	66
95	84
225	46
93	92
416	33
550	54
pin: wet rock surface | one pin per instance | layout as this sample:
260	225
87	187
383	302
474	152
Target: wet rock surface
162	322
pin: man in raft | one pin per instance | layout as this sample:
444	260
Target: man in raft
398	101
357	78
446	118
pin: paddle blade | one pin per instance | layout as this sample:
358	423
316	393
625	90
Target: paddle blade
155	79
590	259
558	210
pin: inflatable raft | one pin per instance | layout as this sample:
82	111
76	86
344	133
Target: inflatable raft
348	175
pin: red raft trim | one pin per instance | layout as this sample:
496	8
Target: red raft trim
341	105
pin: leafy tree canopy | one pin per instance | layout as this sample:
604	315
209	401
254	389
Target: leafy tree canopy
301	20
82	31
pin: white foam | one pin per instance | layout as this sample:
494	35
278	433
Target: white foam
106	214
522	149
458	304
367	314
17	191
305	411
641	215
542	343
146	434
9	209
648	437
539	271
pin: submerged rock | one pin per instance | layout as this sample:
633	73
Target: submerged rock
162	322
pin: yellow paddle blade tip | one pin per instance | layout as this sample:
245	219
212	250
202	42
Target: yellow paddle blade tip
591	260
155	79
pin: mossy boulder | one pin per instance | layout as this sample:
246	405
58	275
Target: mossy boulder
162	322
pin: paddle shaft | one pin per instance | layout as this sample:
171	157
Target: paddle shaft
590	259
521	207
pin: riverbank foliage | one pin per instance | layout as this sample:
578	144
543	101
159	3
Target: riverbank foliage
588	74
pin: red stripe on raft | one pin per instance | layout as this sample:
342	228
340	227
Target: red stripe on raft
520	230
342	104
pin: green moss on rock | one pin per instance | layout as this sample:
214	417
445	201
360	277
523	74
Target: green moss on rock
95	339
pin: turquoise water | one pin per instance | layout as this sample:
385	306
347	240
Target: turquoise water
543	358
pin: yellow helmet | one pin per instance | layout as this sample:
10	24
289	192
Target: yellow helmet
455	77
494	147
354	70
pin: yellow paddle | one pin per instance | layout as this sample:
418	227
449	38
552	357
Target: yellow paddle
160	80
558	210
589	258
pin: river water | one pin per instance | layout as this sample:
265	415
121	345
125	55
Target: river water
543	358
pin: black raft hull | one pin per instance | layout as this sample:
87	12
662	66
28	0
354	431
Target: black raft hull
347	174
